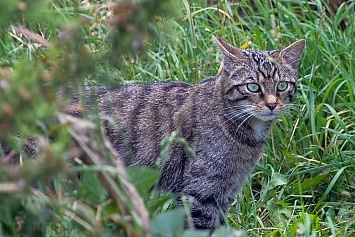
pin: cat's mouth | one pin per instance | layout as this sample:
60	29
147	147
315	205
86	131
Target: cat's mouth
268	116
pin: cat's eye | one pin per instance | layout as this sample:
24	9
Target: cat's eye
253	87
282	85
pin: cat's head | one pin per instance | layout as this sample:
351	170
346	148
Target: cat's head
260	83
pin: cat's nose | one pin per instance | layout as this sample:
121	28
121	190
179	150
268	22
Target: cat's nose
271	106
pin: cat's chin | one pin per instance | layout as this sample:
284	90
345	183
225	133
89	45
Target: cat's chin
267	117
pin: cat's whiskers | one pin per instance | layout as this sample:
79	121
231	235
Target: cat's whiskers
250	115
292	105
240	115
291	109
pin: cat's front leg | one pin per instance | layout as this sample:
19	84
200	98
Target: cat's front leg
206	214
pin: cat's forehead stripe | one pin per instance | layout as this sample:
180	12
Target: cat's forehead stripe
266	68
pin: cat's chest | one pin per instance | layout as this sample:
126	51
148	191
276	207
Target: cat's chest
225	161
226	149
260	130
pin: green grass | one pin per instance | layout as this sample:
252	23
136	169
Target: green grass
305	181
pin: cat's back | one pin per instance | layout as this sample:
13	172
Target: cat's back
138	116
158	99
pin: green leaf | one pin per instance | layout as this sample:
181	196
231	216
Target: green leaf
143	178
195	233
228	231
169	224
312	182
277	180
8	7
157	203
91	188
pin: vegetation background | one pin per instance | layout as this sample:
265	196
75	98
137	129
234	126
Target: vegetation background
304	184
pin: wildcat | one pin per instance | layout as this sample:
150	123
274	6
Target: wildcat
225	119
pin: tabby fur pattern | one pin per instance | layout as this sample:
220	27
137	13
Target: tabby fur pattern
225	119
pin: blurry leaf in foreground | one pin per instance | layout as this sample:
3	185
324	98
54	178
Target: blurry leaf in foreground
223	231
170	223
143	178
91	188
122	193
8	7
195	233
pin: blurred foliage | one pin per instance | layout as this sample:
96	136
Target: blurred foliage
45	49
304	184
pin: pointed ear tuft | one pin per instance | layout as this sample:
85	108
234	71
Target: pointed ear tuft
292	53
227	49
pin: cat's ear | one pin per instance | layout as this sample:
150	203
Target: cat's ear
228	50
292	53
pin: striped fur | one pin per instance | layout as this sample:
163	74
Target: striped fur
223	121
